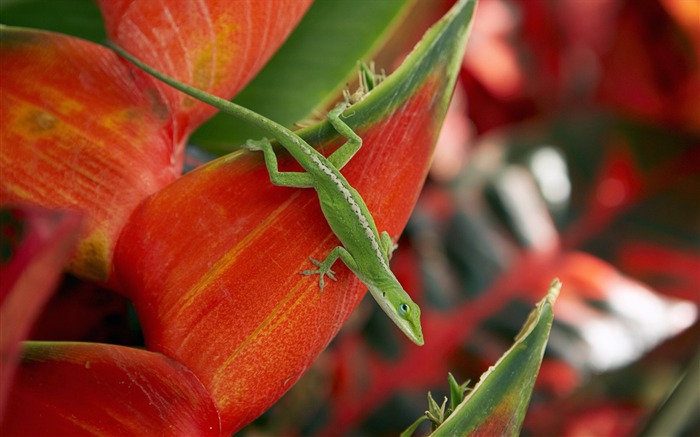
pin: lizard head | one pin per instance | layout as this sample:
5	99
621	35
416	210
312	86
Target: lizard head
397	304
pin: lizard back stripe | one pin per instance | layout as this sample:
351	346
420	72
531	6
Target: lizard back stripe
347	195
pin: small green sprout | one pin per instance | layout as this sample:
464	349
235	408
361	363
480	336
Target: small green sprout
437	413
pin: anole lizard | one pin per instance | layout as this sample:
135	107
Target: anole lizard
363	250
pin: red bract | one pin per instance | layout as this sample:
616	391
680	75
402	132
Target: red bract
216	45
85	136
98	389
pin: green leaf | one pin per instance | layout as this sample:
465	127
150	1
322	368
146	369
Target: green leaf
456	392
310	68
79	18
498	403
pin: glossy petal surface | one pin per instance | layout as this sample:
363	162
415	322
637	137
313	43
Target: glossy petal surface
214	45
79	132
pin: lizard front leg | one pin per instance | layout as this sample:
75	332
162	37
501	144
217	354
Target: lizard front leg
345	152
284	179
324	267
388	244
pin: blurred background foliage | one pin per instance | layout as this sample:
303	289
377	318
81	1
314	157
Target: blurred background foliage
571	150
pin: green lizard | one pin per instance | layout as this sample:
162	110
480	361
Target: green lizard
363	250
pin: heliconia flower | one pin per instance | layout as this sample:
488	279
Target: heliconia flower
211	259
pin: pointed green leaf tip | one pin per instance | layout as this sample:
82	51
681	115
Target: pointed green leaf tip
498	403
456	392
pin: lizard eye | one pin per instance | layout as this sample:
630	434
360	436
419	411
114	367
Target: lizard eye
403	309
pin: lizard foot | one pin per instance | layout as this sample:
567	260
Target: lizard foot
322	271
256	145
